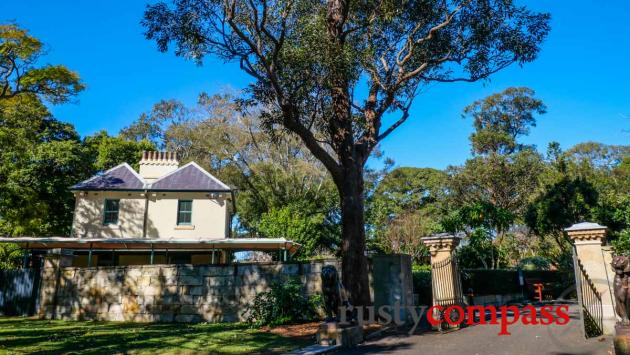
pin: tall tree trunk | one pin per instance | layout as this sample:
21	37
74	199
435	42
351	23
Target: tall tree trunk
354	260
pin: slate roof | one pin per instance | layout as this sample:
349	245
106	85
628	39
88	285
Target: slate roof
190	177
121	177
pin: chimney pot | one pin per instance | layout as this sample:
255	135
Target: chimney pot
157	164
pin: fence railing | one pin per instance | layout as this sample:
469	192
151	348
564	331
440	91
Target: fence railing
590	301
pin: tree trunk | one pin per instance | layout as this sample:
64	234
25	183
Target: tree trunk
354	261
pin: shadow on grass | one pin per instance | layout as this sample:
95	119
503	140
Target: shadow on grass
27	335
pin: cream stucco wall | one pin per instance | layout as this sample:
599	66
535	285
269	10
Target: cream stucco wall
210	215
89	209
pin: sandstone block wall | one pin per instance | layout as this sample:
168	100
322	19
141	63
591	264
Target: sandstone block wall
165	293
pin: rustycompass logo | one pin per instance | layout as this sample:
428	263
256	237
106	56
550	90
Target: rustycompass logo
456	315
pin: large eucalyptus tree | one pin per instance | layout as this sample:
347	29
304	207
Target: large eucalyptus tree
342	74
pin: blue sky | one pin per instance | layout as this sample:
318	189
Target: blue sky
582	75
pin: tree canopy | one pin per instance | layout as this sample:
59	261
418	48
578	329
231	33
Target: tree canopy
501	118
20	74
309	60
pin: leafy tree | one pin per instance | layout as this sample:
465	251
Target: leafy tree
151	126
40	156
310	59
11	256
586	182
480	252
405	206
597	155
313	231
407	189
622	244
19	75
104	151
490	192
501	118
492	189
505	182
567	202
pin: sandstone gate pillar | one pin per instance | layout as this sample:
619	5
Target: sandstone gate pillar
445	278
595	259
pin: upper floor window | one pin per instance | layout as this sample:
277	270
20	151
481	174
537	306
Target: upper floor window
184	212
111	211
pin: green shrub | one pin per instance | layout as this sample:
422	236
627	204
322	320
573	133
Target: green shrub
11	256
535	263
622	244
283	304
422	283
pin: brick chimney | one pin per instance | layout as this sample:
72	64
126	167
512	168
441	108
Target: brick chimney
157	164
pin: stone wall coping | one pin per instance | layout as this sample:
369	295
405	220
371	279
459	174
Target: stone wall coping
191	266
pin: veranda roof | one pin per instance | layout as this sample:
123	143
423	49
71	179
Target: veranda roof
147	244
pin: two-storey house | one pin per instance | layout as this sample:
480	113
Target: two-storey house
163	214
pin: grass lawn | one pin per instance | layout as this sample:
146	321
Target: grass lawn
28	335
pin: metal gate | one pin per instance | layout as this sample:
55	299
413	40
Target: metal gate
447	288
590	301
19	292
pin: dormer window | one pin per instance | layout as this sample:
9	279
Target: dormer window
110	215
184	212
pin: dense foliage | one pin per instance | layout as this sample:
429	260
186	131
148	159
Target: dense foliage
284	303
10	256
406	204
422	285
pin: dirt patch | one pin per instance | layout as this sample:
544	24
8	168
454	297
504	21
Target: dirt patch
307	330
294	330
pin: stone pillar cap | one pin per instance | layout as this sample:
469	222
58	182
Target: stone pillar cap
441	236
586	233
441	242
584	226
